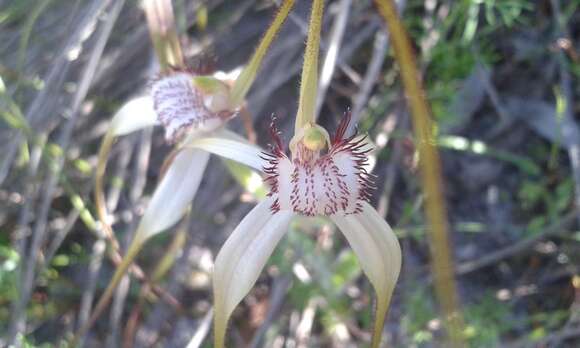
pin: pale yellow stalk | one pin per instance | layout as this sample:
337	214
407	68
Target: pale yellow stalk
161	269
430	166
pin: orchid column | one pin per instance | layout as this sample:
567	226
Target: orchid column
323	176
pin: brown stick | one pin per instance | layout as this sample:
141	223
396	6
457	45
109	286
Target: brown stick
430	166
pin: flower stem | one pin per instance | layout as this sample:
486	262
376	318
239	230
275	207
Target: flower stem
430	166
309	79
101	206
247	76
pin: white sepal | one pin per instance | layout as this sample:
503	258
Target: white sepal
224	144
241	260
174	193
228	134
379	254
136	114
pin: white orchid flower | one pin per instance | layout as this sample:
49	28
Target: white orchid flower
322	177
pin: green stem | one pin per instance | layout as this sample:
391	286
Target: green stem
247	76
309	79
430	167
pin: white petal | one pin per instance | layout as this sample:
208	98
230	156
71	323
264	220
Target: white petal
228	134
242	258
174	193
379	254
136	114
227	147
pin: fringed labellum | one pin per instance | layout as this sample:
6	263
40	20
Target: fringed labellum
186	103
314	183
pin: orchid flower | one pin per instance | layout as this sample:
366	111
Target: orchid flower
321	177
193	109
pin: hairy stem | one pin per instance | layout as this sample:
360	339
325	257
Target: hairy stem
309	79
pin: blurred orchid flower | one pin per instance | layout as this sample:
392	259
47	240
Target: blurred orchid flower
322	177
193	110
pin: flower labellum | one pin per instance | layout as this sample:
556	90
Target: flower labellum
324	177
311	183
186	104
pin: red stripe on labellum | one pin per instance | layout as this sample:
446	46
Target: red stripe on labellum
313	184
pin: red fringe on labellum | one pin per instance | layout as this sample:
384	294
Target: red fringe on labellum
342	127
273	160
327	192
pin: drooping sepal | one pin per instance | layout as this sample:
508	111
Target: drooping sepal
379	255
241	260
174	193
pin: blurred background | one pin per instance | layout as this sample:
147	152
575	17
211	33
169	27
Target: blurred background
500	75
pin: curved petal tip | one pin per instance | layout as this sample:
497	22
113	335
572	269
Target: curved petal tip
379	254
